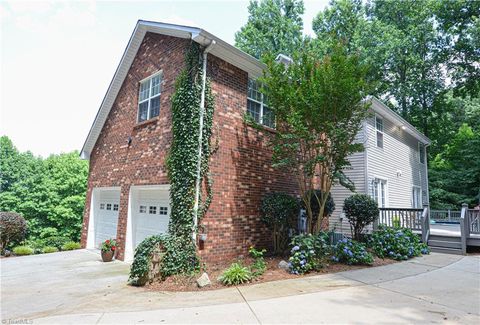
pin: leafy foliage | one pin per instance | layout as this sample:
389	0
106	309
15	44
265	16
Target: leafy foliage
455	172
317	196
279	213
175	258
49	193
12	229
318	105
351	252
22	250
182	160
70	246
360	210
308	252
49	249
273	27
236	274
396	243
259	265
55	241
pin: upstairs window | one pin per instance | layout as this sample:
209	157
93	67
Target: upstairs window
379	131
257	105
149	97
421	153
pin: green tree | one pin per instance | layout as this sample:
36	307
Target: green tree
455	172
318	104
49	193
273	27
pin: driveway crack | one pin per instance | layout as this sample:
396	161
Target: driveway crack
250	307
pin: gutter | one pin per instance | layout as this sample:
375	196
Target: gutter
200	135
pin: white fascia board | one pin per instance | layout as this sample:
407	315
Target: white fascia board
385	111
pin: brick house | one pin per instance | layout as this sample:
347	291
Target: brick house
128	191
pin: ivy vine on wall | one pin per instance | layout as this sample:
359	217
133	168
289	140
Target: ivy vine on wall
179	248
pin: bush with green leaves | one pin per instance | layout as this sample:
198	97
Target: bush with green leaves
22	250
56	241
259	265
351	252
279	213
13	229
49	249
307	253
71	245
396	243
177	257
236	274
360	210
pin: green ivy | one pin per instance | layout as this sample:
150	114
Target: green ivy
176	258
179	250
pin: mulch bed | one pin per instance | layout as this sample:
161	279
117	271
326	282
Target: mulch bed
273	273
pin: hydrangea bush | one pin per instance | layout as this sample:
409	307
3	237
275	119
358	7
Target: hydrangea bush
396	243
351	252
307	253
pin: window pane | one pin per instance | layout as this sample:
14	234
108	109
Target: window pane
152	210
143	209
268	117
163	210
253	90
144	90
155	85
254	110
379	139
154	106
143	111
379	124
422	153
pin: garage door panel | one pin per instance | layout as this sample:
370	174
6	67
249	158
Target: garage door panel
106	216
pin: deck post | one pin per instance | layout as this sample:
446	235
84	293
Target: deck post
464	227
425	223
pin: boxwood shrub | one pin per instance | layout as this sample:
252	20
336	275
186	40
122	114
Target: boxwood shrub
71	245
396	243
22	250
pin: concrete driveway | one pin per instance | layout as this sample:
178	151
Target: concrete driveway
76	287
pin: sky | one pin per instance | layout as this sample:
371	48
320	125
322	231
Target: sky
57	59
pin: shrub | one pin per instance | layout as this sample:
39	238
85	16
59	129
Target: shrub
236	274
49	249
71	245
360	210
329	205
307	253
177	258
351	252
22	250
12	229
259	265
36	244
56	241
279	213
396	243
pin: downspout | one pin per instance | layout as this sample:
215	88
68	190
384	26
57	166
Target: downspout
200	136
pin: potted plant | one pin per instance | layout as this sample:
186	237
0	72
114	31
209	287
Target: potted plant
108	249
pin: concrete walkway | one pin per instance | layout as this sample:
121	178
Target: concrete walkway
76	288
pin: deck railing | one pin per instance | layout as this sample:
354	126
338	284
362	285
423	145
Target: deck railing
445	216
474	221
415	219
400	217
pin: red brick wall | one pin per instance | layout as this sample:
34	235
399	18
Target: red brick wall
241	167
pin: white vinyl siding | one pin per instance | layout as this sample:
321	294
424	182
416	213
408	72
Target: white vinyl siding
257	105
397	163
149	97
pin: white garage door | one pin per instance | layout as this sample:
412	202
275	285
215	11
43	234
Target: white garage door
106	218
151	214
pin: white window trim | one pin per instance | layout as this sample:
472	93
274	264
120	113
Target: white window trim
261	105
382	132
421	147
387	201
420	196
150	97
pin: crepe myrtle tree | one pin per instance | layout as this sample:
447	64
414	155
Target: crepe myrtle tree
319	105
